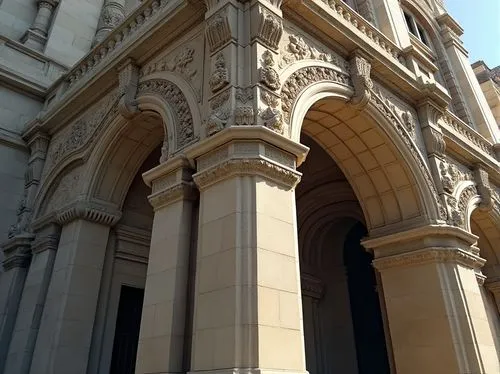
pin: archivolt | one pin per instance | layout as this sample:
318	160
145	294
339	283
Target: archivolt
312	86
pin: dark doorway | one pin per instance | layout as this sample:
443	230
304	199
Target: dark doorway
371	350
128	323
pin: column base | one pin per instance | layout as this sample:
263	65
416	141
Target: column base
34	40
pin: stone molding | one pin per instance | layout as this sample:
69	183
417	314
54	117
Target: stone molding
45	242
312	286
88	211
170	182
232	168
428	256
17	252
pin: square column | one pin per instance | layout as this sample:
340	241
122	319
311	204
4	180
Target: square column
17	253
43	252
248	311
163	325
63	341
436	314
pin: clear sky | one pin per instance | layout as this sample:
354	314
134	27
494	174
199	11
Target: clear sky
480	20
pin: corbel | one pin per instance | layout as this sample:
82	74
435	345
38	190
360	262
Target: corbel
128	77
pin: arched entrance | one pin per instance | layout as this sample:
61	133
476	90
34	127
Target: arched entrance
343	325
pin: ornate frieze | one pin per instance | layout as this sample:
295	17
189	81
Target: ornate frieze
180	64
83	130
172	95
430	255
237	167
295	47
303	78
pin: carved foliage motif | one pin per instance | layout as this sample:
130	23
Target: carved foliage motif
83	130
220	75
298	49
180	64
451	175
360	74
244	114
175	98
112	15
218	31
267	74
385	110
270	29
220	113
304	77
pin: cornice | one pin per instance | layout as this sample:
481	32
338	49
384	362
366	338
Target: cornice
418	233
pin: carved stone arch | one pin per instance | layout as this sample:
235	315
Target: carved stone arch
174	100
313	87
118	156
465	200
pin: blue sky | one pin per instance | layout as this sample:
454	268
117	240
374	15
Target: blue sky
481	22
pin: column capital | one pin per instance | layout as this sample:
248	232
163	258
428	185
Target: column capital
426	244
252	150
17	251
89	211
170	182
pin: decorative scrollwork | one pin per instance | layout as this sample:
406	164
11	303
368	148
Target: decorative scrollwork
175	98
267	74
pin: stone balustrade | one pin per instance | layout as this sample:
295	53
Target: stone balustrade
123	34
455	126
345	14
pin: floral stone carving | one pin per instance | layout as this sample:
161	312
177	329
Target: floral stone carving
175	98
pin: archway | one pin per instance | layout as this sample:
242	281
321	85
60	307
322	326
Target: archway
343	318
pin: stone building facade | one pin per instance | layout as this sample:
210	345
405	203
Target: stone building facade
229	186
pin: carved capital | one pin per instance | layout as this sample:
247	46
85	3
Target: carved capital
251	158
170	182
17	252
430	255
253	167
128	77
88	211
360	69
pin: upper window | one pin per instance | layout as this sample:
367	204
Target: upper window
415	28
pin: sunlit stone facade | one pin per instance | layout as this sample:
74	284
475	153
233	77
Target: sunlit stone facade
229	186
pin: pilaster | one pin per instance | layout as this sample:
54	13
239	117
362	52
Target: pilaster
65	334
243	40
391	22
481	114
164	334
437	318
43	246
247	255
